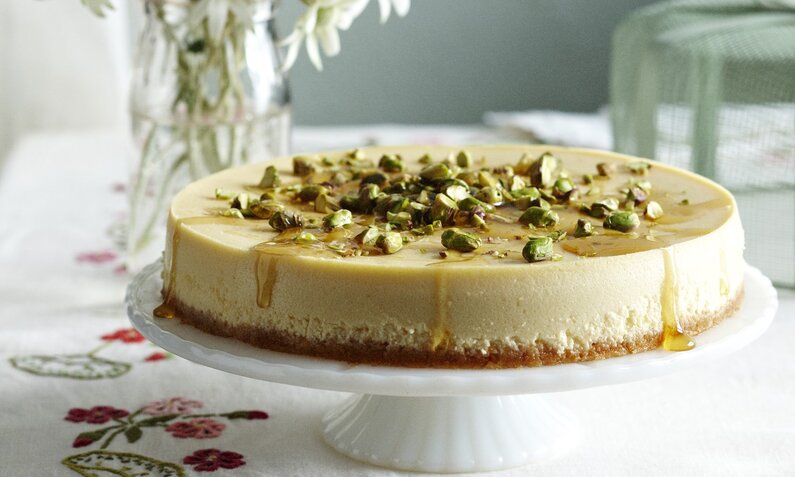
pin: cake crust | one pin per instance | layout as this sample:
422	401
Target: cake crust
386	354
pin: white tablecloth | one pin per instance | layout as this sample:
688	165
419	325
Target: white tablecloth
62	321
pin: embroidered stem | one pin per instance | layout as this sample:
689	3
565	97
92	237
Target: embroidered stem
99	348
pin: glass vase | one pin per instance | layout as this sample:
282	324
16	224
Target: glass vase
207	94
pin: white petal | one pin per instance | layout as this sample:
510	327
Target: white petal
308	21
196	13
292	54
313	52
217	12
386	7
401	7
329	40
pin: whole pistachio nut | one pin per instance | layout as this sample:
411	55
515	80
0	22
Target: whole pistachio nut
302	166
390	242
653	210
391	163
538	249
270	178
583	229
443	208
338	219
622	221
283	220
436	172
455	239
539	217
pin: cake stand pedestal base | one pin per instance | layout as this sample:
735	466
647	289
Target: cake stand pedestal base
450	434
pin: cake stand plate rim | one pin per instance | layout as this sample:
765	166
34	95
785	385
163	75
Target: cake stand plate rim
143	294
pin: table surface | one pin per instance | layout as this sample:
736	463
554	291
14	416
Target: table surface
62	198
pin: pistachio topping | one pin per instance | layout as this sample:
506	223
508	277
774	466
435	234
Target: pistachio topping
455	239
583	229
302	166
543	169
283	220
538	249
604	169
338	219
436	172
602	208
390	242
443	209
265	209
391	163
463	159
270	178
234	213
653	210
639	167
622	221
222	194
539	217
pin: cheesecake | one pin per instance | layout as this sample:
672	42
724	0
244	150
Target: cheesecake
436	256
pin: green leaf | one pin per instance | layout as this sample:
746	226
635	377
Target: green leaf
133	434
120	464
94	435
153	421
72	366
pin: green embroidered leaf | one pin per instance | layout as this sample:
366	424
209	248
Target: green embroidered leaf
94	436
120	464
72	366
153	421
133	434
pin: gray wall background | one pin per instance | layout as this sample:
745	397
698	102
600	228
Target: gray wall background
449	61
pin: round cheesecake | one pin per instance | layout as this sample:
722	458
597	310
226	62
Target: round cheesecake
476	256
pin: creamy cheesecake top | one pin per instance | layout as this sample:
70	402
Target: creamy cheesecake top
477	206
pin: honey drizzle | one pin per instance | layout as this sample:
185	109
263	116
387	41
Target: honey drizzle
674	339
266	279
167	308
440	331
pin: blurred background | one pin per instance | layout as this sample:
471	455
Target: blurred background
447	62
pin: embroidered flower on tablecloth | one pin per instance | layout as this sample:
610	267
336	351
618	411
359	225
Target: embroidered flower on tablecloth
172	405
202	428
103	256
95	415
125	335
210	460
253	415
157	356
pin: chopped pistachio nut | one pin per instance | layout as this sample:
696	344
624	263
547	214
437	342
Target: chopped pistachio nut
223	195
436	172
265	209
490	195
639	167
325	203
485	179
457	192
270	178
302	166
455	239
517	184
587	179
604	169
305	238
400	220
601	208
443	208
636	196
241	201
463	159
563	189
684	202
470	203
235	213
653	210
425	159
583	229
622	221
310	192
538	249
378	178
283	220
539	217
557	235
523	166
390	242
391	163
369	236
542	170
338	219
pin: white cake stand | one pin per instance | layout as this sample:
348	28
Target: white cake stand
444	420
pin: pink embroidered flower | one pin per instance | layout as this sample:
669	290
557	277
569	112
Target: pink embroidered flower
125	335
95	415
210	460
257	415
157	356
196	429
120	270
173	405
96	257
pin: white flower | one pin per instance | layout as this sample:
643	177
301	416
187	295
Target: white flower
319	23
217	12
401	8
98	6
